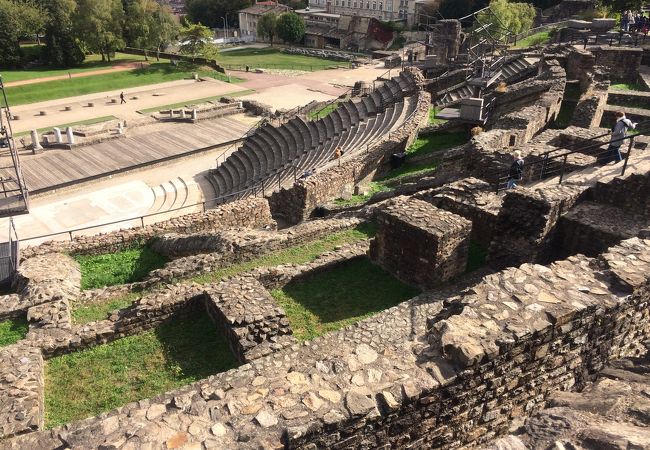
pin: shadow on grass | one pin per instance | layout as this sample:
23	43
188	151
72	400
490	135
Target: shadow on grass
194	348
340	297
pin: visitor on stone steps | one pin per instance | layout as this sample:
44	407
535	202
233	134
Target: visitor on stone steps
619	131
516	168
122	98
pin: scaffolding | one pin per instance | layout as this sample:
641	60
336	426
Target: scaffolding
14	198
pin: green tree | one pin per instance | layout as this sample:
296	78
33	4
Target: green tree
290	27
267	26
10	52
98	24
196	40
62	49
212	12
510	16
149	25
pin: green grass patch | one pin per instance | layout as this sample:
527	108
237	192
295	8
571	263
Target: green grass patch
92	62
477	256
355	290
433	120
89	382
295	255
272	58
126	266
408	169
90	312
535	39
157	72
373	188
71	124
12	331
629	87
436	141
323	112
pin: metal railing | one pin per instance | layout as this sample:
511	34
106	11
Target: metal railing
557	162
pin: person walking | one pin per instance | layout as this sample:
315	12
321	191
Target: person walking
619	131
122	98
516	169
625	23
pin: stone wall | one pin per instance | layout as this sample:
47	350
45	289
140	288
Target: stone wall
298	202
251	212
426	373
527	221
621	63
419	243
590	107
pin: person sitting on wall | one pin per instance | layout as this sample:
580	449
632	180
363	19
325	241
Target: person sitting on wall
516	169
619	131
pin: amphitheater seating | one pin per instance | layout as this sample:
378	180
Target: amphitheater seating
273	156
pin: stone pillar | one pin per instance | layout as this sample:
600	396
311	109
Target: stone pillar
120	129
171	113
183	113
419	243
36	145
57	135
194	114
70	134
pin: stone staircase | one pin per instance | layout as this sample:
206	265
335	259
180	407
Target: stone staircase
512	71
172	195
274	156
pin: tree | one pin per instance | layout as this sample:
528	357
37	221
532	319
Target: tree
620	5
513	17
10	52
62	49
149	25
290	27
212	12
266	26
195	40
98	24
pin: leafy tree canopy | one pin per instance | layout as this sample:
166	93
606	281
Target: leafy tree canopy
267	26
290	27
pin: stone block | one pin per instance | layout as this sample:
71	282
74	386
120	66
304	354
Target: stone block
419	243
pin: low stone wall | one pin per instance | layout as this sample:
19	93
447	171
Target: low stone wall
318	53
21	390
590	107
527	221
422	374
625	98
54	277
472	199
419	243
621	63
251	212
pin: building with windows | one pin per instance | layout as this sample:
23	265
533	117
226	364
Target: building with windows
384	10
248	17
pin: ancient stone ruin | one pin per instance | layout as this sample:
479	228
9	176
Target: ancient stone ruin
544	346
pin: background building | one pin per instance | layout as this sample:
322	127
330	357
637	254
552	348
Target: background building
248	17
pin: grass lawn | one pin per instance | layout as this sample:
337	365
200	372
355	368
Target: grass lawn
433	120
356	289
88	382
628	87
273	58
320	113
92	62
373	188
71	124
122	267
294	255
51	90
535	39
436	141
569	103
90	312
186	103
12	331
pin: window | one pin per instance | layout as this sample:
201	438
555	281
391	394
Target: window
374	5
367	5
381	6
355	4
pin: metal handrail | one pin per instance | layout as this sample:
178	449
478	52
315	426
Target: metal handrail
548	157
